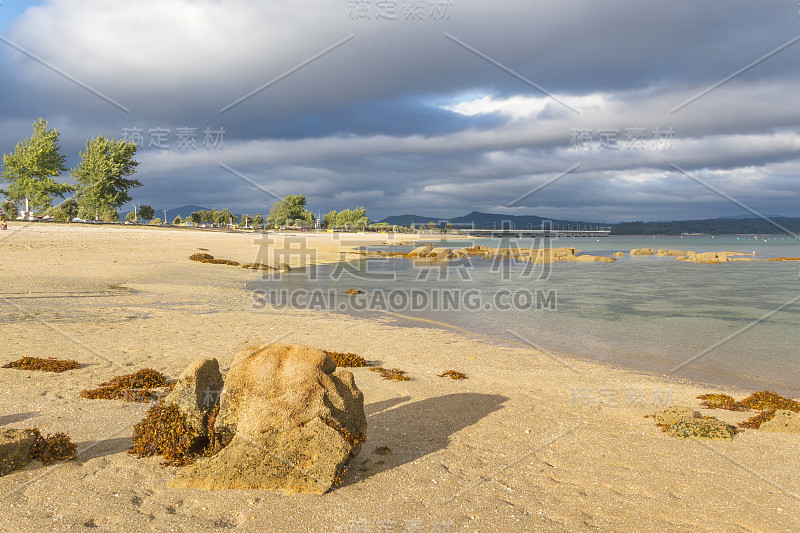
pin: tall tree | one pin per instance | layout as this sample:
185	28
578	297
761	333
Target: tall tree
70	208
102	174
146	212
30	169
292	207
10	210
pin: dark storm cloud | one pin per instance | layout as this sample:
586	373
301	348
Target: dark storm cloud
400	118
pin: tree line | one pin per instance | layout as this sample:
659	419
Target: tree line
102	176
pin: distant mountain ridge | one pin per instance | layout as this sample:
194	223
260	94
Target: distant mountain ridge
712	226
484	220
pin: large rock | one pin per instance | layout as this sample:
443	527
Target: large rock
550	255
642	251
15	448
293	421
672	253
197	391
420	251
784	420
593	259
440	253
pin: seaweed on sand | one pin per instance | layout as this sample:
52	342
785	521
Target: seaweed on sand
46	365
346	359
136	387
394	374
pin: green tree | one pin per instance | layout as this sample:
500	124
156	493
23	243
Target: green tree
132	216
329	219
292	207
258	220
224	217
247	220
10	210
146	212
177	220
70	208
431	225
195	218
102	174
155	222
30	169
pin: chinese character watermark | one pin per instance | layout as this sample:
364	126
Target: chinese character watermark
393	10
159	138
611	139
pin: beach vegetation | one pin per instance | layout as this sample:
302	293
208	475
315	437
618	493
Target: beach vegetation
758	401
453	374
44	365
9	208
208	258
716	401
31	168
346	359
135	387
103	174
346	219
291	207
392	374
146	212
767	402
53	448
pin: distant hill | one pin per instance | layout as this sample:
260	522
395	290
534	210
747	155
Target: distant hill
483	220
713	226
184	211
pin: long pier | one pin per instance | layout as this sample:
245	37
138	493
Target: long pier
521	233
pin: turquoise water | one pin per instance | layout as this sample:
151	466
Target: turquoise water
737	322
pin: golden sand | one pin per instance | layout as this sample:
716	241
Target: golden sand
530	442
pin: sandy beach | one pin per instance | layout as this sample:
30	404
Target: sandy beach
530	442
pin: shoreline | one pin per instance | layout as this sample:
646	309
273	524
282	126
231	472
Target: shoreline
524	443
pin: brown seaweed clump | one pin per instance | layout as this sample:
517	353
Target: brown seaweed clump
453	374
765	401
134	387
346	359
754	422
716	401
53	448
164	431
394	374
208	258
45	365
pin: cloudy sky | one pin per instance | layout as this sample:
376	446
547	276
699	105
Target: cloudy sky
603	111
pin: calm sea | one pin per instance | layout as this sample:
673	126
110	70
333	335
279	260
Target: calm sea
735	323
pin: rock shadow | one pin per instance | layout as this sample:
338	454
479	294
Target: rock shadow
18	417
100	448
399	435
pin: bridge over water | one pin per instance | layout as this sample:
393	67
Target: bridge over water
520	233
